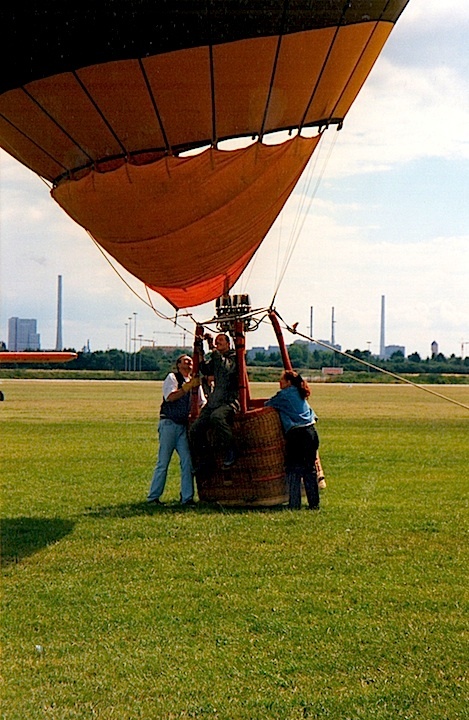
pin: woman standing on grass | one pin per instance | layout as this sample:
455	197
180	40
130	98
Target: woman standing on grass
299	424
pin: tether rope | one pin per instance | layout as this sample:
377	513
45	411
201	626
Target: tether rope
303	211
148	302
294	331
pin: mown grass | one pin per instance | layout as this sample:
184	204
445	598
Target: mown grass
358	611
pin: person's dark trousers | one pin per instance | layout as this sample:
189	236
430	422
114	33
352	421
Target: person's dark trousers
294	489
221	421
310	481
309	477
198	440
199	428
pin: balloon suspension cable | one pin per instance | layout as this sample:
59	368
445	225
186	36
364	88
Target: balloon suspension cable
294	331
148	302
303	211
174	318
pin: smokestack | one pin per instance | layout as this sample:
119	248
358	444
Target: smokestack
58	343
382	343
311	322
332	329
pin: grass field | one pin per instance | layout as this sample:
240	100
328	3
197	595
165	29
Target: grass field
116	610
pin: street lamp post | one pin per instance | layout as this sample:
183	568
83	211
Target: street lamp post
463	343
135	341
129	347
125	347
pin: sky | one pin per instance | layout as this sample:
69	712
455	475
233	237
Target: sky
383	210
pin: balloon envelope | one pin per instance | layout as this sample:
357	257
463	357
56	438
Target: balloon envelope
101	100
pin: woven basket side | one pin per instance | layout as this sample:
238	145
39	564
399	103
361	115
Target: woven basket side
257	477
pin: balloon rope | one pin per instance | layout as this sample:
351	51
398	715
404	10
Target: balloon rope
303	212
148	302
294	331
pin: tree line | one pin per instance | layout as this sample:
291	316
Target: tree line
161	361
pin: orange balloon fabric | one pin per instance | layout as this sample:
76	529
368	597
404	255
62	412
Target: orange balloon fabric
104	99
187	227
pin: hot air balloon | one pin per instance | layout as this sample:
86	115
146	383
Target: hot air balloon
107	102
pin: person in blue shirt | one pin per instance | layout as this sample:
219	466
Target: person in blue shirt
301	440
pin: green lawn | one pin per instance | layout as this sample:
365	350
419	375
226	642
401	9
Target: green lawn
116	610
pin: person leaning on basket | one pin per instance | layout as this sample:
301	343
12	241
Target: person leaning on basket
222	402
172	431
301	440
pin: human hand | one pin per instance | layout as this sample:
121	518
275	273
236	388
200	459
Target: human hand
209	340
192	383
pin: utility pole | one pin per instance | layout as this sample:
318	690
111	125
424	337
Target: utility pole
129	347
58	342
135	341
463	343
382	341
125	351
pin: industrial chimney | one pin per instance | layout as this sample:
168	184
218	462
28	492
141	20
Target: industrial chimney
58	343
382	343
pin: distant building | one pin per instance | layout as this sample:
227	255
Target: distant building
251	354
434	347
275	350
23	335
271	350
389	351
322	348
170	348
319	346
332	371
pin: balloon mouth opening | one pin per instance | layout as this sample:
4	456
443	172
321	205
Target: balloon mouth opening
109	164
151	155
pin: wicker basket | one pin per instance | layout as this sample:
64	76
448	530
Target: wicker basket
258	476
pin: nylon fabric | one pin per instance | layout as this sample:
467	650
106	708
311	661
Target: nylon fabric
150	217
127	108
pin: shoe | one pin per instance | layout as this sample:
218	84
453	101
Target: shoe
155	501
230	458
321	483
314	507
189	503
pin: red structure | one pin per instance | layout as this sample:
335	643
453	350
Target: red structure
258	476
38	357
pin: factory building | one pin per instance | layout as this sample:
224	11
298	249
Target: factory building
23	335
